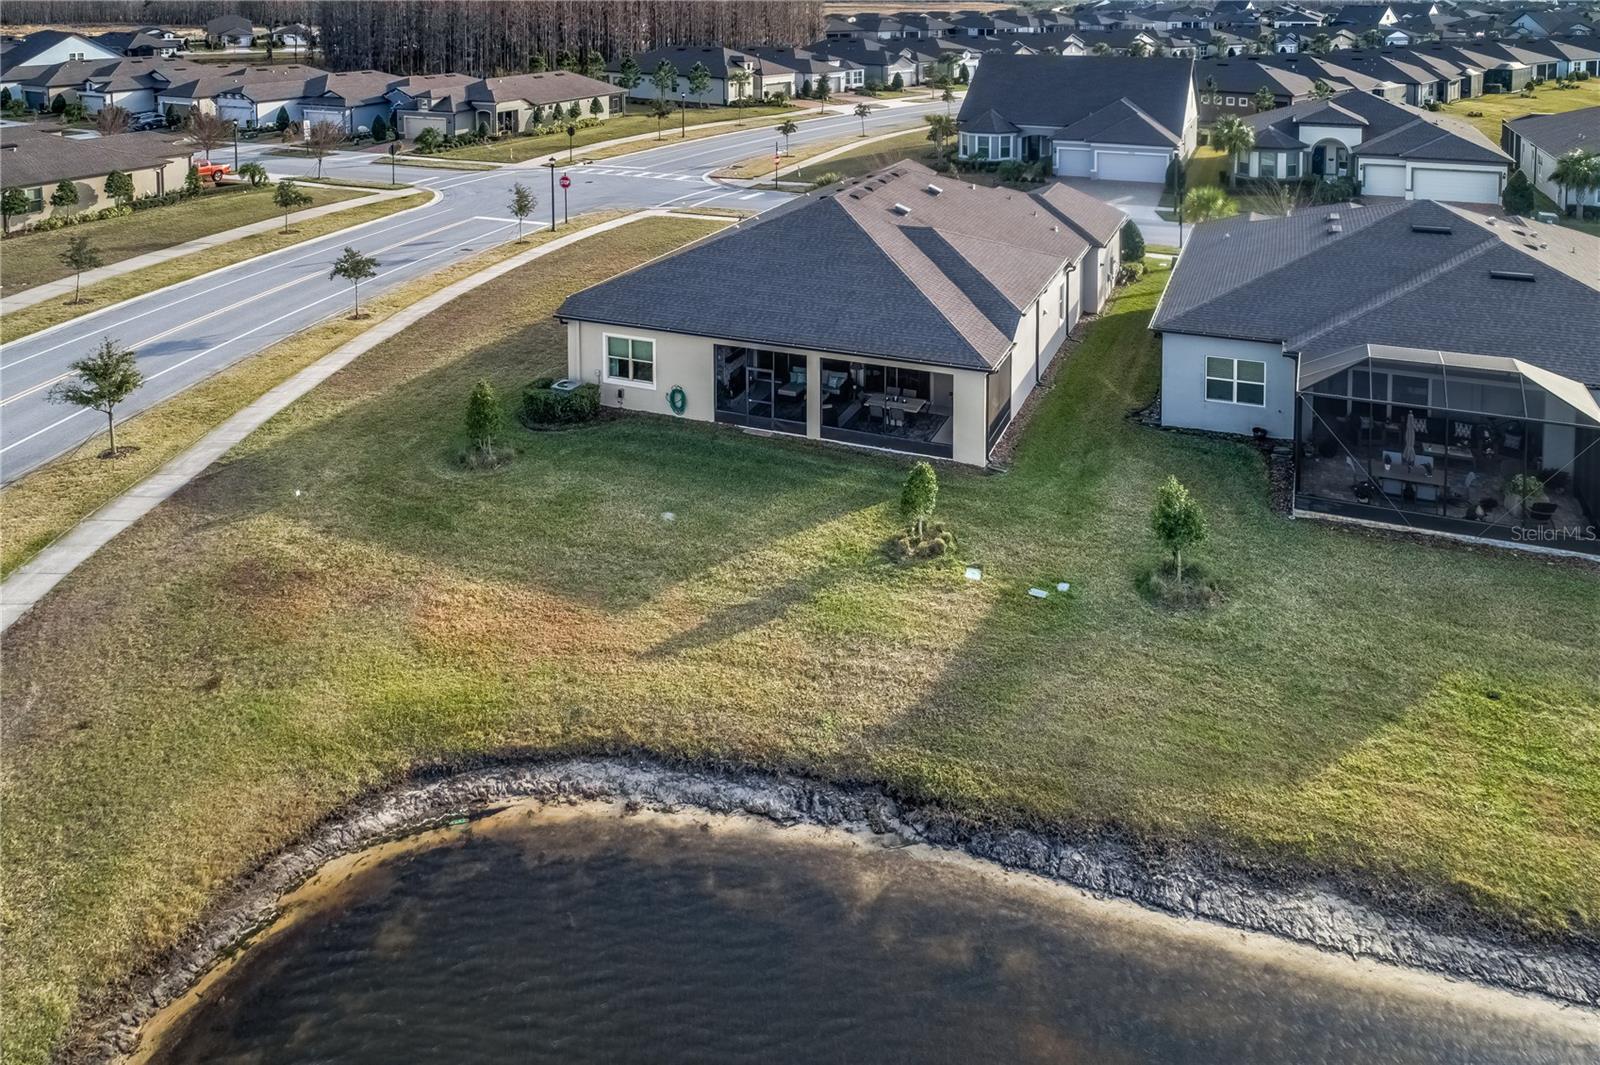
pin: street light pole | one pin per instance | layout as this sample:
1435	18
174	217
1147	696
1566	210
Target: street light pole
552	165
683	115
236	147
394	149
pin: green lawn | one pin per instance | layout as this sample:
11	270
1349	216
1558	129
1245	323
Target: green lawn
1487	112
34	258
639	120
351	603
913	145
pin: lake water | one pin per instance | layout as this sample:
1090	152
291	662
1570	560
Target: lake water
582	936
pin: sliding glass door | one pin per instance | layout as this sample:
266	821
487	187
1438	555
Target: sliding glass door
762	389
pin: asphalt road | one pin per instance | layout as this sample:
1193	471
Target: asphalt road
187	332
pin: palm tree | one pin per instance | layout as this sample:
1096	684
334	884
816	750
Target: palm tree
862	111
940	129
1205	202
787	128
1235	136
739	80
1577	170
947	95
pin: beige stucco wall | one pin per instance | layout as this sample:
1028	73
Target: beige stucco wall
92	191
689	362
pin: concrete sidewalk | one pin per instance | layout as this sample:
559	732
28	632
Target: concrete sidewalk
29	582
64	287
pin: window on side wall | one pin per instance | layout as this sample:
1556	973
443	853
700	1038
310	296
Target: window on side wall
630	360
1236	381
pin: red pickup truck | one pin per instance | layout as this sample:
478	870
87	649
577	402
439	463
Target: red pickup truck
212	172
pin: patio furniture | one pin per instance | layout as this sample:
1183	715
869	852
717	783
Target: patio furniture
795	387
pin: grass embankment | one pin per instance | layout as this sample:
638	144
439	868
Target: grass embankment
47	503
1487	112
35	258
138	282
351	602
913	145
516	149
761	165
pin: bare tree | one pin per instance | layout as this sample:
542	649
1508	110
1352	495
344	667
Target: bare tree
111	119
321	139
209	132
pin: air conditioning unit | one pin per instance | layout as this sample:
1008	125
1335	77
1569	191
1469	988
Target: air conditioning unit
566	384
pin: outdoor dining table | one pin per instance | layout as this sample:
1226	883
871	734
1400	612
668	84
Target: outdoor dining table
911	405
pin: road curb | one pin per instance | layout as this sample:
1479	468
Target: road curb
434	197
29	582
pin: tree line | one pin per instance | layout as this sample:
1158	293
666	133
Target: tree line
266	13
498	37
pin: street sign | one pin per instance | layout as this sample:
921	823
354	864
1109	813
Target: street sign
566	182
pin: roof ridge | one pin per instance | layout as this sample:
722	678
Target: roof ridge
1484	245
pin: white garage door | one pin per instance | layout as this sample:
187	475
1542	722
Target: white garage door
1458	186
1073	162
1383	180
1131	166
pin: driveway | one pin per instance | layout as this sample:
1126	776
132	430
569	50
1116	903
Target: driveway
1139	200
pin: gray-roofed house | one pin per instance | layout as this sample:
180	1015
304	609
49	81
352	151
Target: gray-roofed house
1537	141
36	162
230	31
48	48
958	298
1421	357
1393	150
455	103
767	77
1104	117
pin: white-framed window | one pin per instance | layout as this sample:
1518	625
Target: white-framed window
630	360
1241	164
1228	100
1291	165
1236	381
988	145
1269	164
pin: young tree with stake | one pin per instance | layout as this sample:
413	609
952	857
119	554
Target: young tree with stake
699	80
79	255
862	111
13	201
918	496
523	201
1177	521
739	82
104	380
208	132
628	78
486	418
321	139
355	268
288	197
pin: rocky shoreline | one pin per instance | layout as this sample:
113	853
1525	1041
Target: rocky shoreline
1185	885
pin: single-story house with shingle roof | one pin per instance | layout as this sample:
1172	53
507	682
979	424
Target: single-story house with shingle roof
1421	358
36	162
1392	149
767	77
1104	117
231	31
455	103
959	297
1537	141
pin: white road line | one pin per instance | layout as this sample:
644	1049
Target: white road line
189	294
227	284
241	336
749	196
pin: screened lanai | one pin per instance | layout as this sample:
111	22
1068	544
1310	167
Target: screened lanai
1447	441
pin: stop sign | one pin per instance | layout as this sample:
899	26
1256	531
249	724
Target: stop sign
566	182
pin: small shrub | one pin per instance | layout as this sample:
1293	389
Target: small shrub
936	541
1132	242
1128	273
824	179
1474	114
544	407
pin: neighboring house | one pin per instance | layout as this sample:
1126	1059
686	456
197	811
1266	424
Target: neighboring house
1103	117
454	104
965	295
131	84
1421	356
1391	149
1229	87
246	94
48	48
352	100
876	62
766	78
230	31
36	162
1537	141
296	35
806	68
154	41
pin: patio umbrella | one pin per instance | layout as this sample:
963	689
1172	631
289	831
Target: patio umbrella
1408	454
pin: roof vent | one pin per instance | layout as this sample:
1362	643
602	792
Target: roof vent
1336	228
1510	275
901	208
1334	217
1443	230
933	190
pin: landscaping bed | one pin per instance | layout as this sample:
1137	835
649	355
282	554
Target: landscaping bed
1418	724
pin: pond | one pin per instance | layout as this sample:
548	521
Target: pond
579	935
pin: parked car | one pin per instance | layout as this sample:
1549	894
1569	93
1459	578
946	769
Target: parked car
148	120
